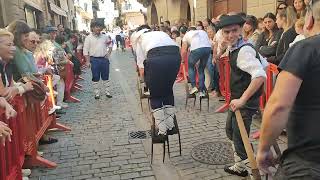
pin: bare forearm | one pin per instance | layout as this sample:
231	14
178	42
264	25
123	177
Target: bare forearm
253	87
274	120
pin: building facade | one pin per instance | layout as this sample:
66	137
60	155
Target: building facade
37	13
84	14
197	10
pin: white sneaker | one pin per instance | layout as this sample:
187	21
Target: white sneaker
63	105
193	90
147	93
108	94
25	178
40	153
26	172
202	94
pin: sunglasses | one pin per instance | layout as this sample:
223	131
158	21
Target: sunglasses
282	8
34	42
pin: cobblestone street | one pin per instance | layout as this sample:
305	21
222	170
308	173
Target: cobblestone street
98	147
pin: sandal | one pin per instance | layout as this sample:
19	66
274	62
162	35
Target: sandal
49	141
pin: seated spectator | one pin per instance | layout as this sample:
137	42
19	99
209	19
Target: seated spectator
285	21
175	35
261	26
8	88
300	8
199	25
281	6
268	40
206	23
299	29
250	32
23	58
70	49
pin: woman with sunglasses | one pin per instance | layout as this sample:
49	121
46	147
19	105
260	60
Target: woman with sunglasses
281	6
23	58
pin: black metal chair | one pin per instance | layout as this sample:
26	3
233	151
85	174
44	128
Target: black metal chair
141	94
207	98
156	139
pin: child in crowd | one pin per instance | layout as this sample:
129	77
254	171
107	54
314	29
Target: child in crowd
299	29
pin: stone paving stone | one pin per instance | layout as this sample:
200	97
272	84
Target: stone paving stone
98	146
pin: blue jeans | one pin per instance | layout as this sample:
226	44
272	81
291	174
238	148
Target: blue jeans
201	54
210	67
99	68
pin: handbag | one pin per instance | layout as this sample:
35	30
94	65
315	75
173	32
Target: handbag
39	88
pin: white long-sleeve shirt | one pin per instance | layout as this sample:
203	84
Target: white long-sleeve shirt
97	46
148	41
248	62
197	39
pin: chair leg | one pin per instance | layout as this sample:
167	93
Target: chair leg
164	151
168	147
185	106
179	141
194	102
208	104
200	103
141	104
151	151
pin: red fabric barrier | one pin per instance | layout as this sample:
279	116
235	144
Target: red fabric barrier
272	71
69	81
224	82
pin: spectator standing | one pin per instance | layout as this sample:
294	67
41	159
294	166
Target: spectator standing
300	8
166	24
299	29
250	32
268	40
294	105
285	20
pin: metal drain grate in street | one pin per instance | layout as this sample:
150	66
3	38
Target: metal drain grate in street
214	153
140	134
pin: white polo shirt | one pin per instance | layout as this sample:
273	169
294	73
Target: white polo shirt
97	46
150	40
197	39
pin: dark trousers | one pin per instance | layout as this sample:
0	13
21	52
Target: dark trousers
161	69
293	167
233	132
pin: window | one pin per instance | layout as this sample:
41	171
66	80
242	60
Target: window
85	6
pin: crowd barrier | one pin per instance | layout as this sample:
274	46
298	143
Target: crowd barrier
224	82
70	84
30	124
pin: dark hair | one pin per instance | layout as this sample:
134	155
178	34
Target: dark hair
143	27
192	28
274	18
253	21
282	3
242	14
209	21
199	23
183	29
60	39
17	28
176	32
37	31
168	22
96	24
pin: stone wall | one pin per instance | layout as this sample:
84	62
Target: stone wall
259	8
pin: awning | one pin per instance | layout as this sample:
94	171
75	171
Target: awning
33	4
57	10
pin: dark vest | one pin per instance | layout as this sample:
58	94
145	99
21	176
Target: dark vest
240	80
